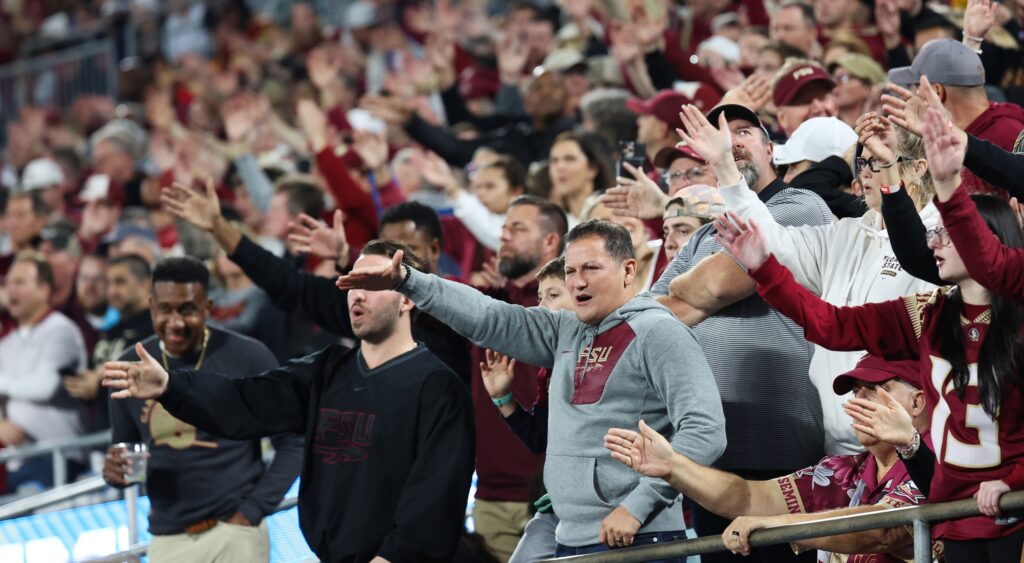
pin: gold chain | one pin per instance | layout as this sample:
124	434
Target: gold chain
202	353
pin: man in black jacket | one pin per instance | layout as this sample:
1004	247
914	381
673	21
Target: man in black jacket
389	429
291	289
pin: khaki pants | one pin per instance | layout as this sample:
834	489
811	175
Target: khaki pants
501	525
224	543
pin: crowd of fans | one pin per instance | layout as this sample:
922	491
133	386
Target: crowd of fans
274	140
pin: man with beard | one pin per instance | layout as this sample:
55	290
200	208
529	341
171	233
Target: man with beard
532	236
209	494
755	353
389	434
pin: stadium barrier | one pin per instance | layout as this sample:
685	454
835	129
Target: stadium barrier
920	517
57	449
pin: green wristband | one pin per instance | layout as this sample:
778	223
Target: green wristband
502	401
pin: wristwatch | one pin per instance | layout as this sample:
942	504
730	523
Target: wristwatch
910	450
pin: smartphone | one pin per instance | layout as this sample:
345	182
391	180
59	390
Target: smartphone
67	371
632	152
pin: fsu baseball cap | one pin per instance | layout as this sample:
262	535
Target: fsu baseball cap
666	155
789	86
873	369
943	61
736	111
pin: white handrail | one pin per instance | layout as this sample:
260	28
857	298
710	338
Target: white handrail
49	497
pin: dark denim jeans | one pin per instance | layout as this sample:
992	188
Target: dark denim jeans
639	539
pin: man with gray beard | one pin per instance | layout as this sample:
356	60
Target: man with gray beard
756	354
507	472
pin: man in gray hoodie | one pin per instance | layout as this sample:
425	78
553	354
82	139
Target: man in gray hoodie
617	359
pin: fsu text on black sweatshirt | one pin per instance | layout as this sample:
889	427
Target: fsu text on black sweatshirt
389	450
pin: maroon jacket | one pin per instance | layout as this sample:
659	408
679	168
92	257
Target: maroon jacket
1001	124
505	468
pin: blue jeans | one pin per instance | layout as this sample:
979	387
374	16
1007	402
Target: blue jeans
640	539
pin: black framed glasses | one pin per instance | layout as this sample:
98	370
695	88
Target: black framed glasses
873	164
938	232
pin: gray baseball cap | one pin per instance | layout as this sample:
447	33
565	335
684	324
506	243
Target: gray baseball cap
943	61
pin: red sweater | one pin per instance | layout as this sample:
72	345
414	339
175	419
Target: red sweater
969	445
360	212
989	262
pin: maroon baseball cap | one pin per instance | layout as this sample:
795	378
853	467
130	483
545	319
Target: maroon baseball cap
665	105
787	88
876	370
666	155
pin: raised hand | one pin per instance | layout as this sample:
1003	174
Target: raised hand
97	219
323	64
636	197
240	115
372	148
904	108
489	276
512	54
310	236
200	209
497	371
646	452
945	152
440	54
714	144
313	121
754	92
742	240
887	18
979	17
877	134
391	109
375	278
145	379
437	172
885	420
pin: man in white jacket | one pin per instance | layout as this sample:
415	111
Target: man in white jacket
32	356
849	262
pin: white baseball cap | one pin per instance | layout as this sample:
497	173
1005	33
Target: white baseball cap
40	174
816	139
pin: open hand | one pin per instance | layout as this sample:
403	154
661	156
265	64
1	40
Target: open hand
636	197
754	92
646	452
885	420
742	240
712	143
375	278
200	209
497	371
144	379
979	17
309	236
877	134
945	151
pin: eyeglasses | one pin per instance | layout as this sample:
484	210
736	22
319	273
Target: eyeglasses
940	232
873	165
690	174
842	78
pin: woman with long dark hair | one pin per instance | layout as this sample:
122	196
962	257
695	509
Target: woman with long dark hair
969	344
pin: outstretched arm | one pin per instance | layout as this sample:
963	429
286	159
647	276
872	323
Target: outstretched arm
883	329
989	262
234	408
647	452
526	334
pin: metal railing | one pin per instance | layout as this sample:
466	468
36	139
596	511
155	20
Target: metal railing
27	505
56	79
139	549
57	449
919	516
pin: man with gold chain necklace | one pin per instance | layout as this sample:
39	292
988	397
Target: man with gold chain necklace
209	495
